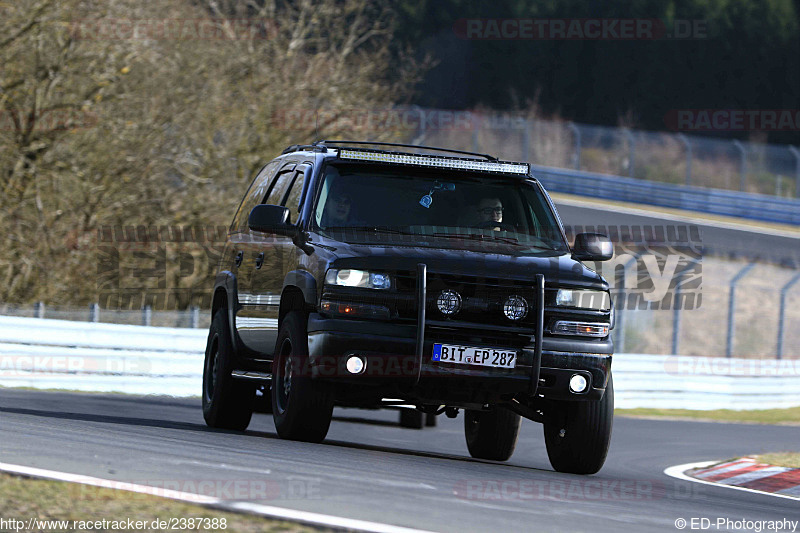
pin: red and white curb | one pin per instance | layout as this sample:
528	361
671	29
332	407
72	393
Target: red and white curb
281	513
745	474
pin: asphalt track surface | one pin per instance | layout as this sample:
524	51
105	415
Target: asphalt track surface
371	469
736	242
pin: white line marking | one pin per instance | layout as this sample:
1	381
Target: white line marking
678	218
677	472
730	467
263	510
109	484
752	476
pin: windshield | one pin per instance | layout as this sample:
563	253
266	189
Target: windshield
362	203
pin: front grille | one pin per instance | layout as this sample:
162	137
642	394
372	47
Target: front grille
482	299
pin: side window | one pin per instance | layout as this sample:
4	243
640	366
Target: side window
254	195
296	192
278	191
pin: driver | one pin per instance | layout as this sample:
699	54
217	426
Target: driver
491	210
337	209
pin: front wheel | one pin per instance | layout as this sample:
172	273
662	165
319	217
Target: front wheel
491	434
301	407
227	402
577	434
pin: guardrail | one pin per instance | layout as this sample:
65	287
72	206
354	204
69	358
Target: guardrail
58	354
714	201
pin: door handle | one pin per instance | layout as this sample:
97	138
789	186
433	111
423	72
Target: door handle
259	261
239	258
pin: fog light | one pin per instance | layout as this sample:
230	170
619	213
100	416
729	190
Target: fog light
356	364
578	383
515	307
448	302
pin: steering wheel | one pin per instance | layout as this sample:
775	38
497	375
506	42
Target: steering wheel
486	224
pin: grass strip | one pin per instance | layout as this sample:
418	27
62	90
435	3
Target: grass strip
24	498
755	416
787	459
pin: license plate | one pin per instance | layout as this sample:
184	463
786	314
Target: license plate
470	355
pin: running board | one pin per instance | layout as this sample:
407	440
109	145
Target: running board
247	374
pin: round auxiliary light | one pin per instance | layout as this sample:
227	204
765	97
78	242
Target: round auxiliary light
355	364
448	302
578	383
515	307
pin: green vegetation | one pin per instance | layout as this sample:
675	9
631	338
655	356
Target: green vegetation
735	50
123	113
23	498
787	459
756	416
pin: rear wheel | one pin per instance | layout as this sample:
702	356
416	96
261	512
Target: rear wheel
227	402
263	403
301	407
430	420
411	418
491	434
578	433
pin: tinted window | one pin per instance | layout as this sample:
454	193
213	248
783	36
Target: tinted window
296	192
436	207
253	197
278	192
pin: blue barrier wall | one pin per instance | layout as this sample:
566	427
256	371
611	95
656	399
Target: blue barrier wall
715	201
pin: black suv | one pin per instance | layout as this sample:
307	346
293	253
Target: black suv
376	275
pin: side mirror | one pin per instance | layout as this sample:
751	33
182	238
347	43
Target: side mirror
592	247
271	219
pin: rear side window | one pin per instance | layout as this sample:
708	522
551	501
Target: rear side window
296	192
282	184
253	197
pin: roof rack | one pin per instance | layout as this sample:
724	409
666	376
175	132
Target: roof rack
299	147
323	143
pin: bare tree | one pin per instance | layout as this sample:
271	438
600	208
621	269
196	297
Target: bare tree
122	113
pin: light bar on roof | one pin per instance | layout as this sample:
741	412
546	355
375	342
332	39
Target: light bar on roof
436	161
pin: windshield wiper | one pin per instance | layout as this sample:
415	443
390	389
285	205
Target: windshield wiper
370	229
479	237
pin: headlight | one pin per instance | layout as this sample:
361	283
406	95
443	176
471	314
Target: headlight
347	277
584	299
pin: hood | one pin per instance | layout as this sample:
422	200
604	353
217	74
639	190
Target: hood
559	270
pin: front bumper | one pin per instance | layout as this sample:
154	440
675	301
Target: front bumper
393	368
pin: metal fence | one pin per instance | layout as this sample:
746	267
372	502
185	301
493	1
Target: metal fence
741	309
193	317
652	156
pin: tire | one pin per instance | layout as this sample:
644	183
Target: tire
301	407
430	420
227	402
491	434
586	428
411	418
